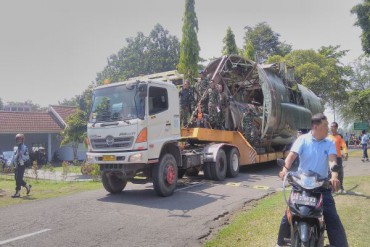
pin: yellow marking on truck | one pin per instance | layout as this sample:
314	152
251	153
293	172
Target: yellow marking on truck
233	184
261	187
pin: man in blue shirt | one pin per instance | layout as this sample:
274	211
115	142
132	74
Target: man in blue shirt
317	153
19	159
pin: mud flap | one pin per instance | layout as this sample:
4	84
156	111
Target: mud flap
304	231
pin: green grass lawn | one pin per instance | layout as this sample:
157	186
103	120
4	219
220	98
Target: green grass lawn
41	189
259	224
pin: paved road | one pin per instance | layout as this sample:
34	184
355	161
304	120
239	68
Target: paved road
137	217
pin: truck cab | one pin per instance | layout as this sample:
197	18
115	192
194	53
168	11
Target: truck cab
133	128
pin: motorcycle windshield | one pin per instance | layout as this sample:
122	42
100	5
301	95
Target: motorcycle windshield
308	180
117	103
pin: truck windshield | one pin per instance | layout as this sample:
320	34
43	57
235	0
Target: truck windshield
117	103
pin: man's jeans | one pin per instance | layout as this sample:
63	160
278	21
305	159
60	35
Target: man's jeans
334	227
364	151
18	175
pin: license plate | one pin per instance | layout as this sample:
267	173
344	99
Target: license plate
303	200
109	157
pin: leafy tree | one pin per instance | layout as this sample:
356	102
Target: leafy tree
362	11
76	129
143	55
360	78
332	52
189	46
229	43
250	52
265	42
1	104
357	108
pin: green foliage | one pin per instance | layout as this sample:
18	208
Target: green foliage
189	46
265	42
143	55
362	11
357	108
95	172
75	131
65	171
360	78
250	52
332	52
229	43
1	104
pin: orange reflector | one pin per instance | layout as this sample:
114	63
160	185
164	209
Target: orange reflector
142	137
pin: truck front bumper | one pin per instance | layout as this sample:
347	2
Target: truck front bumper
134	157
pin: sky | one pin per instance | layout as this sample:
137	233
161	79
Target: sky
52	50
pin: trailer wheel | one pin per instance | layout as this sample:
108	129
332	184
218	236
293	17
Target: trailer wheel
112	183
232	163
218	168
165	175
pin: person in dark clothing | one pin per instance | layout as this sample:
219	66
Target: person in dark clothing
187	102
20	157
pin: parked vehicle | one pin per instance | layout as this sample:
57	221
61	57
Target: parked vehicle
5	159
305	208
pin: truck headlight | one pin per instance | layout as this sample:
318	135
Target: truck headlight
135	158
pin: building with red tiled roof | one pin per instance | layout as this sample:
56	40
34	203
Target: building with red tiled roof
41	129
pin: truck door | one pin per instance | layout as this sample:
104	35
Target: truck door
159	121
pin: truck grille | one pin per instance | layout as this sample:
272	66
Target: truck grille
118	142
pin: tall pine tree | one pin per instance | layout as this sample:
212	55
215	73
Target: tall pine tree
229	43
250	52
189	46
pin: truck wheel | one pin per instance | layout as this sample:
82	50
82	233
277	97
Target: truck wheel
218	168
232	163
165	175
112	183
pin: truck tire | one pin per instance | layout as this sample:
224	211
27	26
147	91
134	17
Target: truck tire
218	168
165	175
112	183
233	160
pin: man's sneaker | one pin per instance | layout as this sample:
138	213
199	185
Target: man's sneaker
16	195
367	159
363	160
28	188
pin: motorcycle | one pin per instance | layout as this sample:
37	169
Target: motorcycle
305	208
